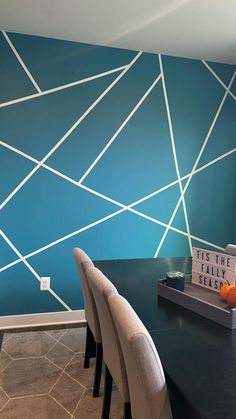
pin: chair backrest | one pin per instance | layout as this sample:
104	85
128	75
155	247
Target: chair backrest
231	249
102	288
147	386
83	263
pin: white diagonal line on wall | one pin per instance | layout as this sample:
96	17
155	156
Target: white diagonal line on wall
214	161
124	207
218	78
113	201
207	243
175	182
87	227
21	61
19	186
59	299
68	236
17	261
112	139
74	182
152	194
17	151
175	158
74	126
31	269
198	157
133	204
11	245
130	208
62	87
74	233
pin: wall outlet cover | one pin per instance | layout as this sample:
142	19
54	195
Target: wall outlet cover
45	283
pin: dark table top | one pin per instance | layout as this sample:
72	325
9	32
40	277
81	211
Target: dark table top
198	355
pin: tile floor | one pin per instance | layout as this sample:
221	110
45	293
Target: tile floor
42	377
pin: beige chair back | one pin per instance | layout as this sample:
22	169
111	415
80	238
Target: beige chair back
83	263
102	288
147	386
231	249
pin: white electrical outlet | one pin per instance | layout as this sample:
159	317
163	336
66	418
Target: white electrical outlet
45	283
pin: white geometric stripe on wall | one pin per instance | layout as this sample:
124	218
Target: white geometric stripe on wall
120	206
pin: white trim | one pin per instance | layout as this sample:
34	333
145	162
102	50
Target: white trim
175	159
218	78
197	160
62	87
21	61
112	139
74	126
42	319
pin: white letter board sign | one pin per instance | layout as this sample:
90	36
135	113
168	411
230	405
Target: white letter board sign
212	270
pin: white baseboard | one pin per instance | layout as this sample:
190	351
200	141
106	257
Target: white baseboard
42	319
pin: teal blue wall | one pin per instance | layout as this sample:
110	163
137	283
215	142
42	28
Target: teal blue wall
50	213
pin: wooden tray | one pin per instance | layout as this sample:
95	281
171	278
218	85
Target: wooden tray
202	301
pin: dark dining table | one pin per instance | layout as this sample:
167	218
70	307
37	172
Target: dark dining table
197	354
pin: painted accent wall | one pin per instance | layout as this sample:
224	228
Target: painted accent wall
96	146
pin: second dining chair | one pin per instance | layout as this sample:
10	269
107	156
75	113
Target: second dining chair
231	249
115	370
93	332
147	386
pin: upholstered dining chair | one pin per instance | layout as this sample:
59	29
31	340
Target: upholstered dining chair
147	386
102	288
231	249
93	345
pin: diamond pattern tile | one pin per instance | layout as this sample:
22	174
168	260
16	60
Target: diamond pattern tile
37	407
37	344
91	408
53	385
4	360
26	377
60	355
3	398
67	392
74	339
86	375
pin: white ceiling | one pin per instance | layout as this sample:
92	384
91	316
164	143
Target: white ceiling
188	28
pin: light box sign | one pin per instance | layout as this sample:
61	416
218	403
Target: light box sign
212	270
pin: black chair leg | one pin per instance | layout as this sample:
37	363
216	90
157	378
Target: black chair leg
98	370
90	347
1	339
107	394
127	411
